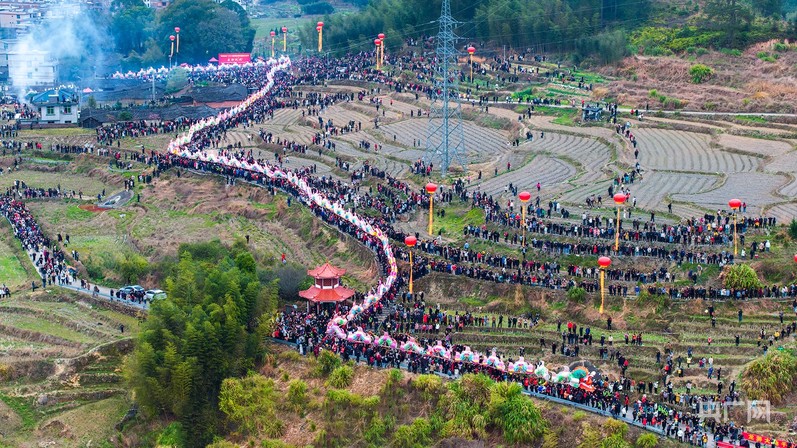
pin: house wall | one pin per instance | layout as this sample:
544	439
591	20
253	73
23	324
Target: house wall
61	113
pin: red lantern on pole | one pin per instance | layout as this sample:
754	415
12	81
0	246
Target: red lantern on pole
431	188
381	50
735	205
177	31
471	50
603	262
524	197
377	42
795	258
284	39
619	199
410	241
171	38
320	28
272	34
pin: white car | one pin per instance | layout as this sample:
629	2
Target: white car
154	294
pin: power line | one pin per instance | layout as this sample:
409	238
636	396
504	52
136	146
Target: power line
445	139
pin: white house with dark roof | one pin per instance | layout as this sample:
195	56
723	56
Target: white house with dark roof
57	105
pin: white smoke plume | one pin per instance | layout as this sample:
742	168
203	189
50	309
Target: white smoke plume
72	36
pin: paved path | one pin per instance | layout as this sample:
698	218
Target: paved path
656	111
103	293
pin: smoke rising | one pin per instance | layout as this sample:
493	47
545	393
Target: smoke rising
70	36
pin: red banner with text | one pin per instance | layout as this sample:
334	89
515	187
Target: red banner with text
766	441
234	58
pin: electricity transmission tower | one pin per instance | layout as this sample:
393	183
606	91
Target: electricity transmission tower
445	140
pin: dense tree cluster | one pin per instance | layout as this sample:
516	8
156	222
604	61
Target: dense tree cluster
213	326
599	29
207	28
547	25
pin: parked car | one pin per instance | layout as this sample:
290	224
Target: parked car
154	294
125	292
134	292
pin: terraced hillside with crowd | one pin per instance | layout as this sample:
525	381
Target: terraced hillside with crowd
326	163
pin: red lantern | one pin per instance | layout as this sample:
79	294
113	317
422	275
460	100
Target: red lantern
377	42
795	257
431	188
318	28
524	196
171	38
620	198
320	24
604	262
410	241
177	29
735	203
471	50
284	29
381	35
273	34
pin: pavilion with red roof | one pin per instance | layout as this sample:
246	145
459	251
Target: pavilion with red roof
327	287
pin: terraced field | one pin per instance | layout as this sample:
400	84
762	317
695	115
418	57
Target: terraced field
552	173
742	185
688	151
592	155
695	171
61	356
481	144
52	179
769	148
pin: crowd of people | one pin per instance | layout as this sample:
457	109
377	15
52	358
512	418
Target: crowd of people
311	330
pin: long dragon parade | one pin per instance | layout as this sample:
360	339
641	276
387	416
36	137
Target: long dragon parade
182	147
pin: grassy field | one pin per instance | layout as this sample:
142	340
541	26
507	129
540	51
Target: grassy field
52	179
12	271
56	132
192	210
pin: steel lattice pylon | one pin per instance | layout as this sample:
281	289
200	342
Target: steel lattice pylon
445	140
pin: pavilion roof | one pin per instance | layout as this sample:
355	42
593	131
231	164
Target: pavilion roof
318	295
326	271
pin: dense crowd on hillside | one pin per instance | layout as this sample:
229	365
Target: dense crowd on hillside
673	414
